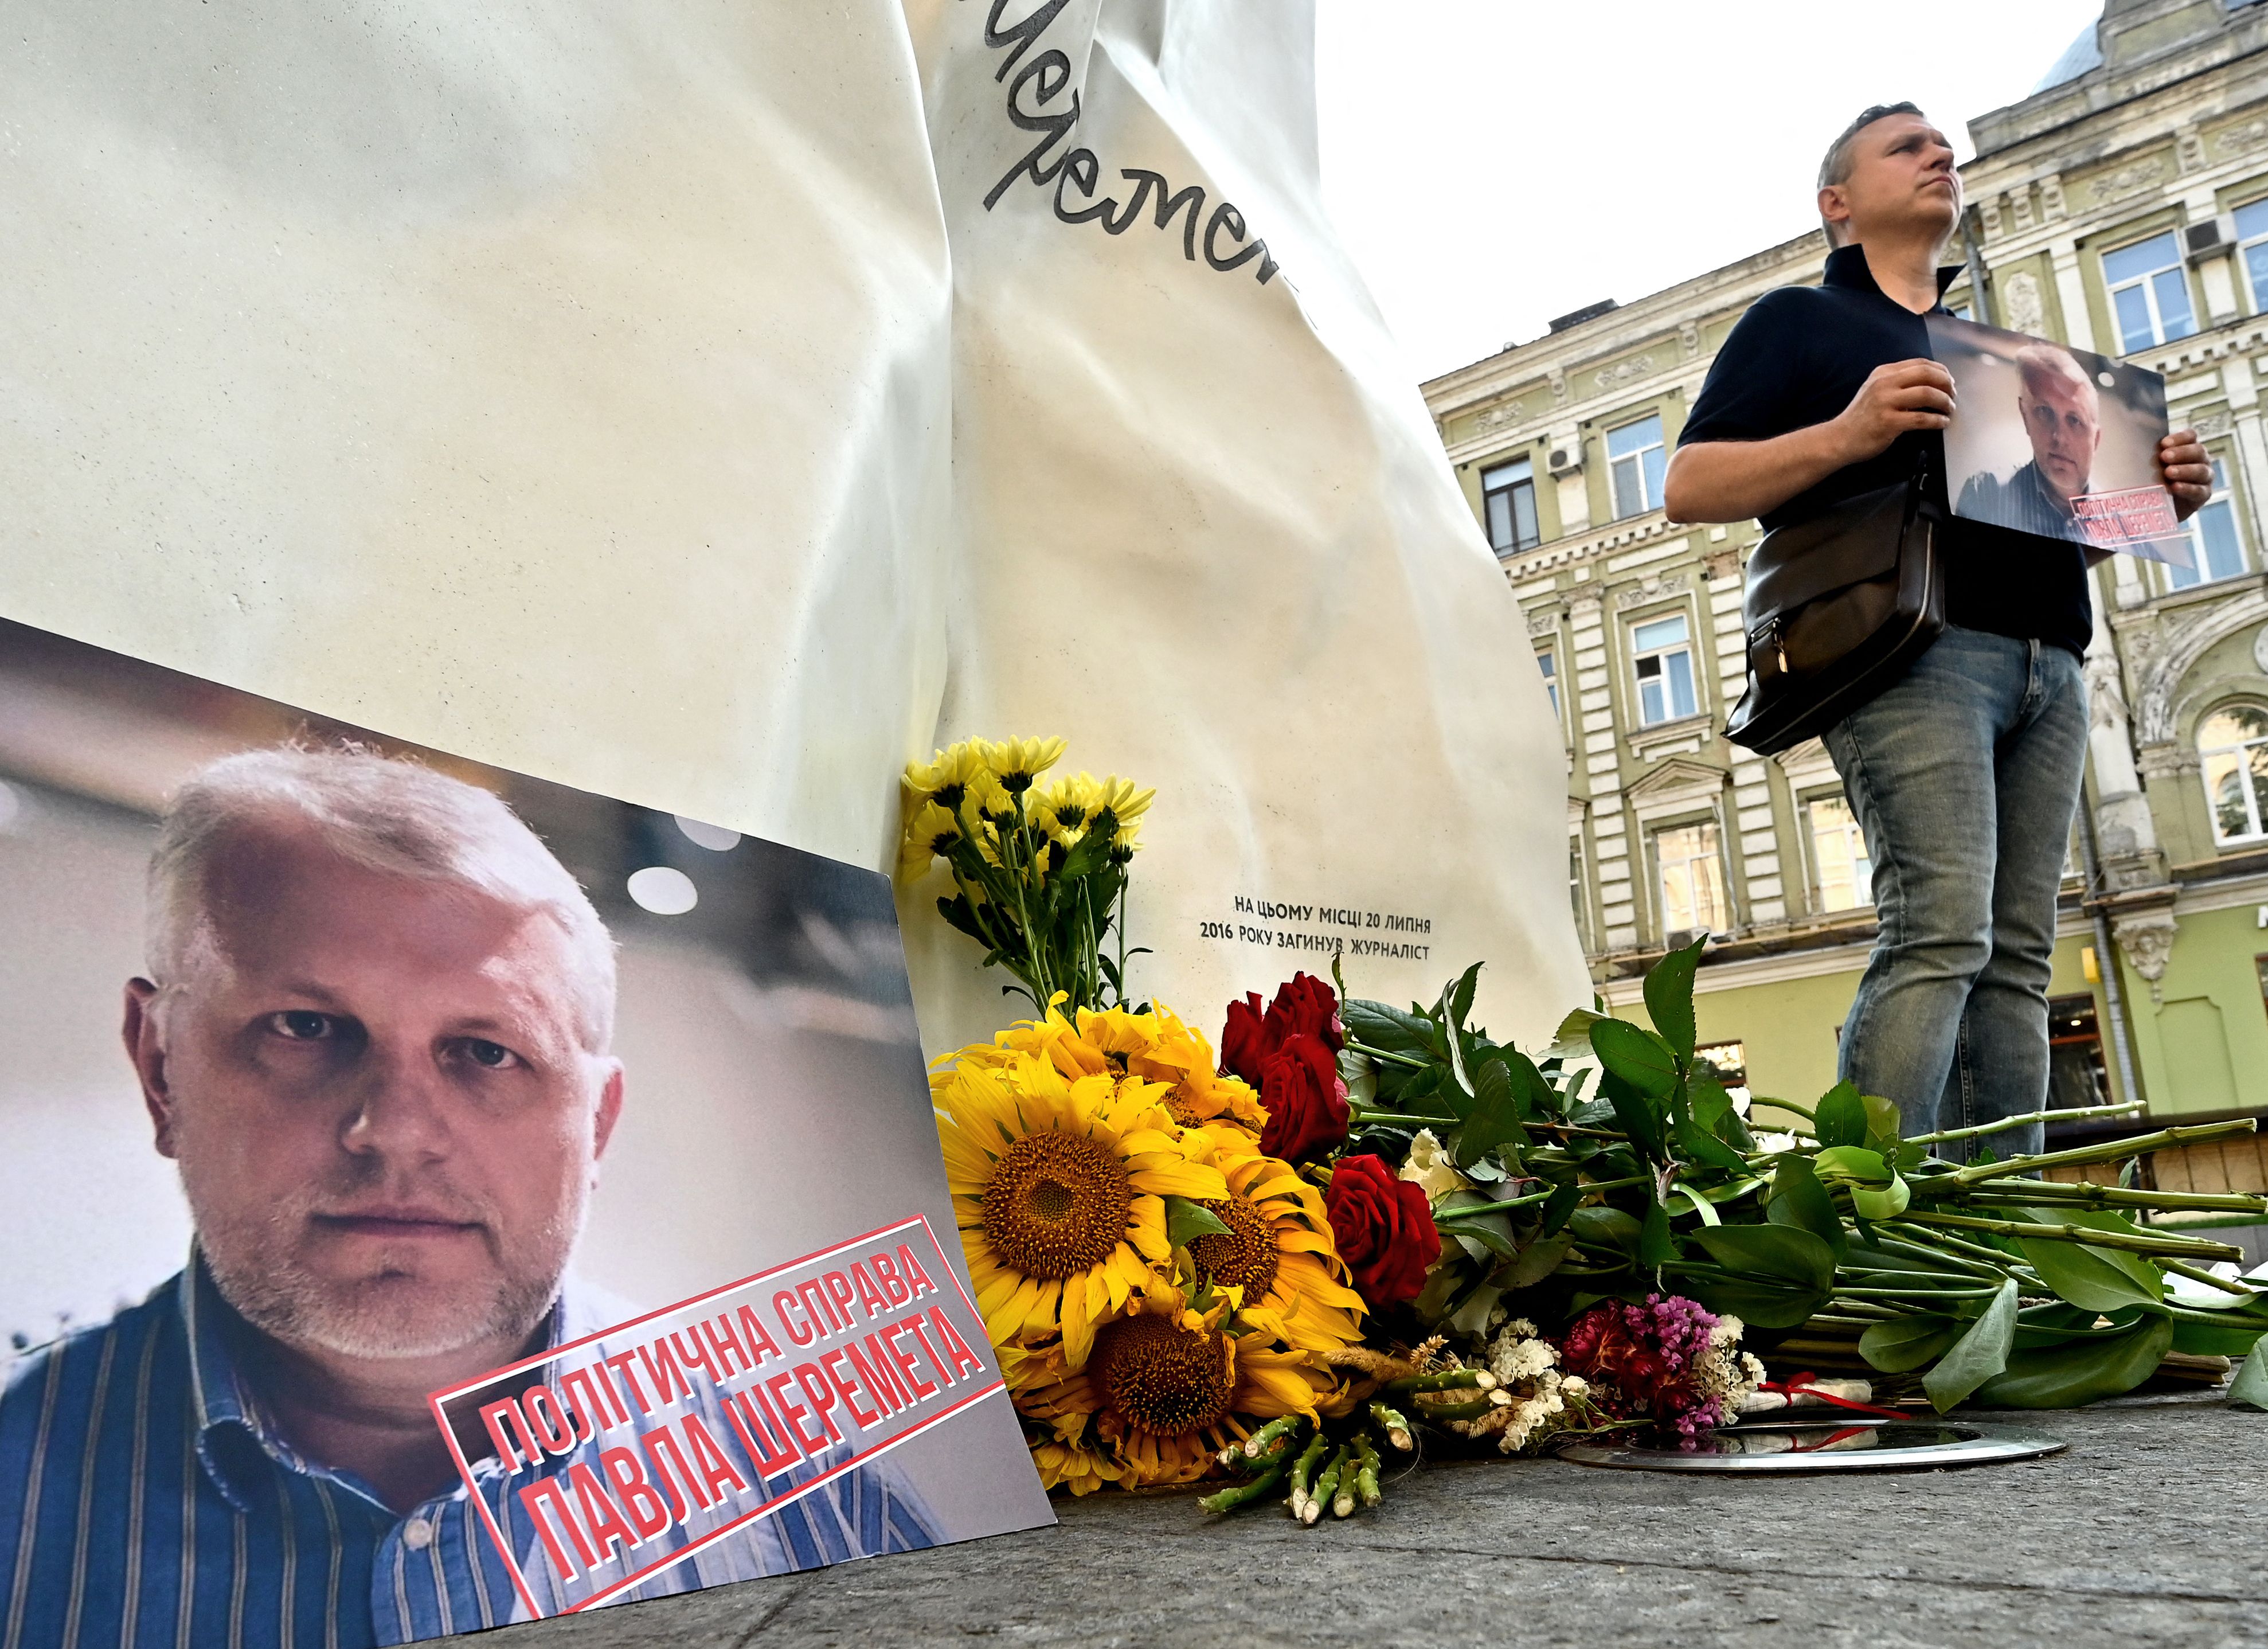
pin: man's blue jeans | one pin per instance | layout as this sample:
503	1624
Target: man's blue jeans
1965	777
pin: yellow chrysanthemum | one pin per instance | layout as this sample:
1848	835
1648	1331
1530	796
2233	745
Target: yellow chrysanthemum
1057	1183
1016	763
931	835
945	776
1278	1251
1167	1388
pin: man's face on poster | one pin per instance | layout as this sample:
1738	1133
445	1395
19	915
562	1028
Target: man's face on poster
2063	418
383	1098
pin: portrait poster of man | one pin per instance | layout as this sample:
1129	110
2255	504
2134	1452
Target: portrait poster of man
435	1197
2057	442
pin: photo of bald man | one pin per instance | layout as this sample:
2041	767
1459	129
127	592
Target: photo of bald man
373	1032
2062	414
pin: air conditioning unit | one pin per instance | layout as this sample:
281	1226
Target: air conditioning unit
1565	460
2204	240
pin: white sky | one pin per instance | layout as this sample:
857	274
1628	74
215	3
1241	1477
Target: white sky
1492	164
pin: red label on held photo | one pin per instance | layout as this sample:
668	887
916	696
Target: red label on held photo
2134	515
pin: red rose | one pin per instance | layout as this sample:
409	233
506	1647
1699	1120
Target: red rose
1245	1043
1307	1102
1384	1228
1308	1007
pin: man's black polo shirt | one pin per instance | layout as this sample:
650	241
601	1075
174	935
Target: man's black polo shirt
1797	359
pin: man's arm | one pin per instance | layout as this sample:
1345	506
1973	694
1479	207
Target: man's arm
1732	481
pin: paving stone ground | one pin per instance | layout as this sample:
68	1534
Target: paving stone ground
2151	1530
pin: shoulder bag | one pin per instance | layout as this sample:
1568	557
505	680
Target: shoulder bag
1836	609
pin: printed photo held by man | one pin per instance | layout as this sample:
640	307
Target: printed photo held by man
2062	415
373	1036
1964	774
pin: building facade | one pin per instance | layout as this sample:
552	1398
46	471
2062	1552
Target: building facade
2121	208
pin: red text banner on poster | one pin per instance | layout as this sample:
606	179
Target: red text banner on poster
2129	518
631	1450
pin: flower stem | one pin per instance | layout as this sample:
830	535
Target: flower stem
1244	1493
2007	1123
2197	1274
2197	1248
1397	1425
2111	1152
1479	1209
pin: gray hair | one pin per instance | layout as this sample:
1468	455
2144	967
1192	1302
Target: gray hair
1835	166
387	814
2037	363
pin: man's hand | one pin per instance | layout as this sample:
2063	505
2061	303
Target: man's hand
1905	395
2187	471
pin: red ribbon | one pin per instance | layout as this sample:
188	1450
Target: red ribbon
1801	1386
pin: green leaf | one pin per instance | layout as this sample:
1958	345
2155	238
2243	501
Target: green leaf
2235	1338
1638	1115
1638	1056
1799	1200
1976	1356
1390	1029
1606	1227
1669	998
1900	1346
1495	1115
1758	1304
1702	1206
1695	1145
2249	1388
1186	1221
1460	996
2090	1278
1561	1208
2065	1376
1784	1254
1881	1202
1358	1070
1841	1117
1656	1246
1573	1036
1881	1124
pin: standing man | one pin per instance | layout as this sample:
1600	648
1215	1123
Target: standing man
1964	774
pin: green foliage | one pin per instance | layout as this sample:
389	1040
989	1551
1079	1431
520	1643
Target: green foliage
1977	1356
2080	1370
1610	1164
1186	1221
2249	1388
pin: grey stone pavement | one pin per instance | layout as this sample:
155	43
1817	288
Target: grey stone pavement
2151	1530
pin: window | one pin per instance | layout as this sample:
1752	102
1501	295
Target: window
1838	847
2252	250
1663	651
1508	501
2233	745
1548	661
1692	879
2212	539
2149	292
1726	1065
2077	1076
1636	461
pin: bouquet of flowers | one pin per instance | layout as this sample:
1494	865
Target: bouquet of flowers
1357	1224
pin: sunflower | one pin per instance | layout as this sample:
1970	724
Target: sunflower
1278	1251
1056	1182
1201	1093
1168	1388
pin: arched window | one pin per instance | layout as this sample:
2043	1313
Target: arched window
2233	746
